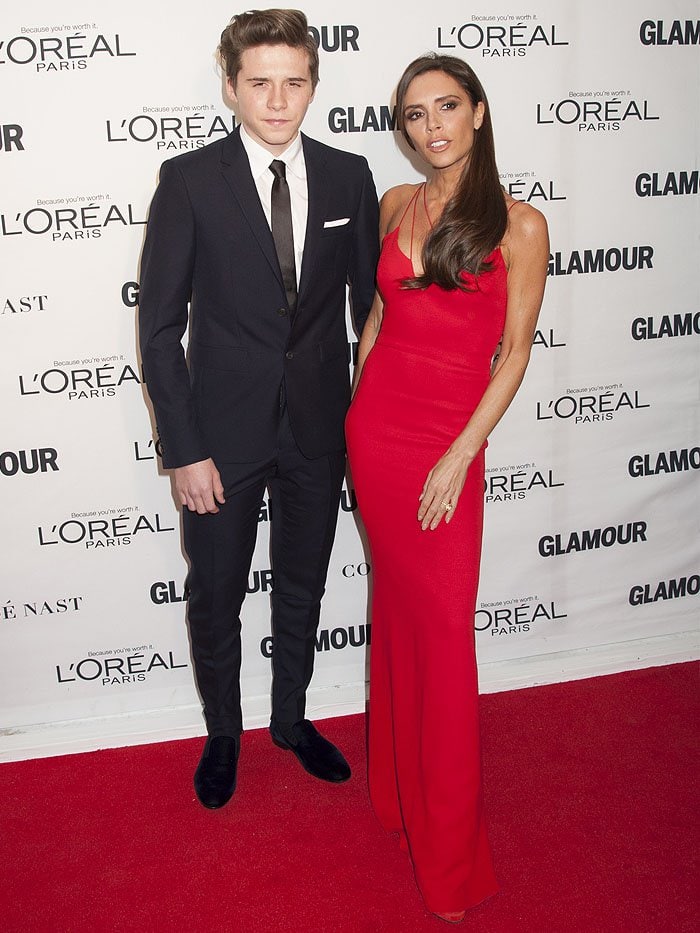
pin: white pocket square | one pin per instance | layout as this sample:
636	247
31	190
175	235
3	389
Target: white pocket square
336	223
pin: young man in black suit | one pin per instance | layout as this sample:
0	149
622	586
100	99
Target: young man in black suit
259	233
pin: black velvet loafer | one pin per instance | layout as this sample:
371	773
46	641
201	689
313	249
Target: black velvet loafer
317	755
215	777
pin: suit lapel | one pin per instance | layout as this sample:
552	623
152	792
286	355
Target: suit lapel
235	168
317	181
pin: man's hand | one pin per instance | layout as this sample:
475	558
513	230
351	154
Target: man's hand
199	487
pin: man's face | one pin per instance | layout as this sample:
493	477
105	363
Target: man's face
272	93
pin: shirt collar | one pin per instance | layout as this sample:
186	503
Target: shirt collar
260	158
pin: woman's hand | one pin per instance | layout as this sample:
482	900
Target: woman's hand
442	489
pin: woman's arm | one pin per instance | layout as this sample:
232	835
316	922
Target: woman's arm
526	253
389	207
368	336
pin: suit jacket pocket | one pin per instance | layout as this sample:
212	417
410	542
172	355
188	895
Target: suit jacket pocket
332	232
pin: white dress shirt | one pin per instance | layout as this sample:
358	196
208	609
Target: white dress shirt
293	158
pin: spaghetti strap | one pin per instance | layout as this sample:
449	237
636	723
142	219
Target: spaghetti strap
413	221
512	204
410	202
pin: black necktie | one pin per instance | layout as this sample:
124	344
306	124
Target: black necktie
282	231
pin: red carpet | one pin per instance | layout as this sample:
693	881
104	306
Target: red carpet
590	790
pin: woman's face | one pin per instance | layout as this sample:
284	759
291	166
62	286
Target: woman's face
440	119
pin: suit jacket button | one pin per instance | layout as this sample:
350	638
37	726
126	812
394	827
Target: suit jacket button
289	354
282	312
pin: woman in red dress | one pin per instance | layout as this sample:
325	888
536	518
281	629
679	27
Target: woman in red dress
462	268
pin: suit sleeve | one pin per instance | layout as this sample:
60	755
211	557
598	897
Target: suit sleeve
166	285
365	251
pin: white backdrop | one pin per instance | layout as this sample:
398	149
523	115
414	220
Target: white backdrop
591	553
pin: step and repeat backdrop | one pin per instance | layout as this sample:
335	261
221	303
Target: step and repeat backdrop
592	503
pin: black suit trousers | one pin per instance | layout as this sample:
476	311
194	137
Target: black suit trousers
304	498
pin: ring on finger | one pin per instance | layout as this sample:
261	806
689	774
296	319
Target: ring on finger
447	506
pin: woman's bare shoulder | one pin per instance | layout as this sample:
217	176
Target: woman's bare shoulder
393	202
527	234
524	220
399	193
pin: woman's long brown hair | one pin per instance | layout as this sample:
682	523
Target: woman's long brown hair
475	218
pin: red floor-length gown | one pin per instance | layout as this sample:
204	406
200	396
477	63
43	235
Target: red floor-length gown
424	377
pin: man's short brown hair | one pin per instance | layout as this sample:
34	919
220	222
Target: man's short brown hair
266	27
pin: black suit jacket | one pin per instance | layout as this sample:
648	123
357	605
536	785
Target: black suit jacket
208	244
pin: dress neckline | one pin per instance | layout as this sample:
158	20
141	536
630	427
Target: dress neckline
412	202
395	234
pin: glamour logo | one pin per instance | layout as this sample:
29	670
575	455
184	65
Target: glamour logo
498	41
81	383
514	483
603	259
83	222
525	186
148	450
666	589
348	499
589	408
40	608
130	294
22	304
11	137
110	668
354	636
655	185
102	529
60	53
170	132
668	325
338	638
671	461
513	616
162	593
678	32
260	581
36	460
265	514
336	38
352	120
592	539
593	114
